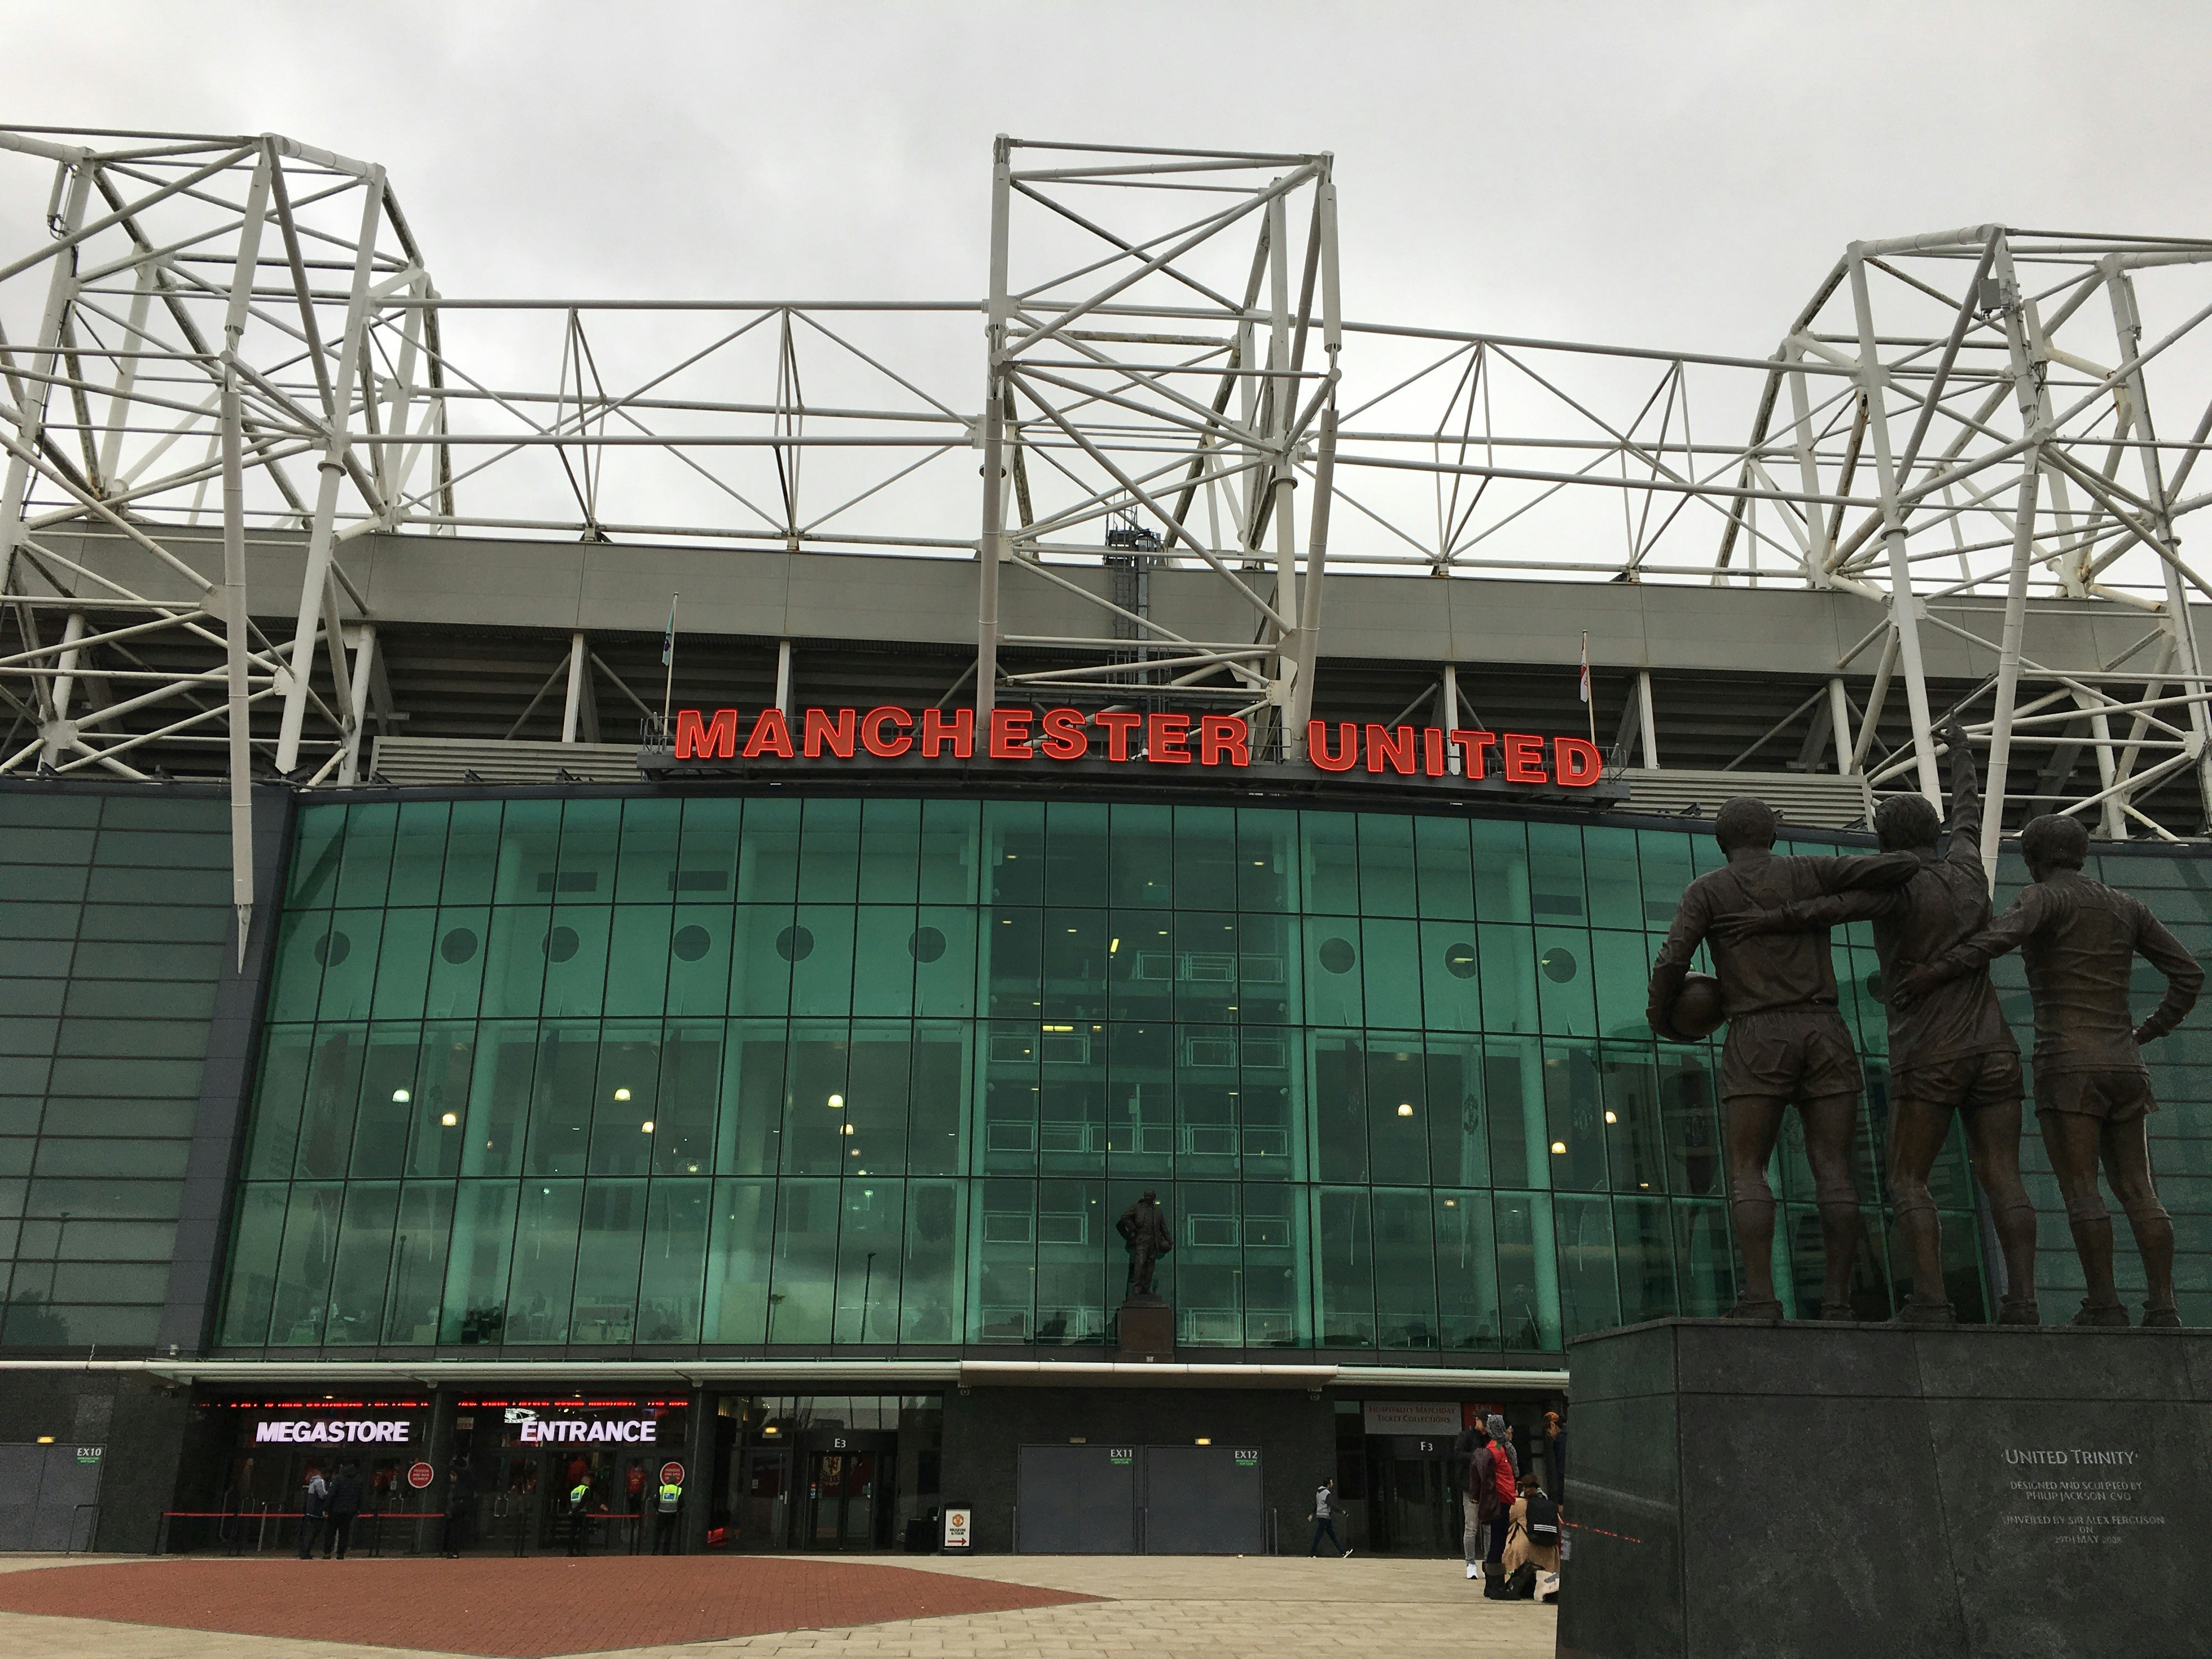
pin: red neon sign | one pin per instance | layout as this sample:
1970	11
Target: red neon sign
1119	735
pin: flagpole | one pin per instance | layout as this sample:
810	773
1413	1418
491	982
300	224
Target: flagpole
668	660
1589	690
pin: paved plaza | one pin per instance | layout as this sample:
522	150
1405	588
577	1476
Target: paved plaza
845	1607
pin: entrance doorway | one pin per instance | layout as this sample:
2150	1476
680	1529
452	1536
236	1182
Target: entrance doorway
1414	1502
845	1498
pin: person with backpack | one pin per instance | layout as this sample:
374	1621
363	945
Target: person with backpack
1488	1503
1532	1538
314	1496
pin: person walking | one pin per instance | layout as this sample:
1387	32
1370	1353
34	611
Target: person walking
1324	1520
668	1500
343	1504
580	1514
460	1507
314	1496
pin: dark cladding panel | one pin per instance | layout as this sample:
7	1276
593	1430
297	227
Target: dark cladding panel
1076	1500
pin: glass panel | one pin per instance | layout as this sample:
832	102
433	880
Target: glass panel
419	1263
645	872
1508	959
943	948
1013	855
365	873
890	849
738	1261
768	856
690	1076
1391	972
612	1243
805	1261
359	1285
1589	1293
418	853
541	1285
829	853
1501	870
472	853
1574	1116
1344	1263
1205	860
1616	891
1446	877
1331	864
1467	1271
529	853
1565	986
318	844
457	963
868	1261
876	1107
255	1242
765	940
1141	872
1006	1254
1385	865
403	968
303	1277
948	852
820	947
1405	1270
1075	855
1267	860
1705	1260
930	1290
752	1094
1397	1111
938	1096
1528	1272
475	1307
1074	956
706	861
694	958
1459	1145
675	1259
1646	1259
815	1122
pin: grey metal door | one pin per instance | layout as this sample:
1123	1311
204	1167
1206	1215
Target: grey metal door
1203	1500
1076	1500
48	1496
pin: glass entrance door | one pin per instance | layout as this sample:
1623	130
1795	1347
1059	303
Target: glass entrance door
1414	1506
842	1493
761	1517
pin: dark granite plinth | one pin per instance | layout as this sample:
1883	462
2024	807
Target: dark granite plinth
1809	1490
1144	1329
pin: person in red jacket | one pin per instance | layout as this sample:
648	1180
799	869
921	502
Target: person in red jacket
1490	1490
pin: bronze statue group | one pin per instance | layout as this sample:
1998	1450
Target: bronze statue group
1765	920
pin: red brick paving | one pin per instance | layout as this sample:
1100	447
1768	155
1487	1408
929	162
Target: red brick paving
507	1608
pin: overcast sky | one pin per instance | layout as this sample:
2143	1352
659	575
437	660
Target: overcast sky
1651	174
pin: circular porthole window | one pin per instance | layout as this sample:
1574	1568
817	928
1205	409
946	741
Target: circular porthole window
458	945
1559	965
927	944
1459	960
560	943
332	949
794	945
1338	955
690	943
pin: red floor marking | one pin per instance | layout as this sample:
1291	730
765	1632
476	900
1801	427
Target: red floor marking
505	1609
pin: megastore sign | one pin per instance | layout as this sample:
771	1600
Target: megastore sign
332	1430
1024	736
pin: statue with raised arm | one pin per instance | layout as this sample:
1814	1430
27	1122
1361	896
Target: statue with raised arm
1950	1052
2093	1097
1786	1042
1144	1231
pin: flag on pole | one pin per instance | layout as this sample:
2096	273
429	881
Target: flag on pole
1585	687
668	639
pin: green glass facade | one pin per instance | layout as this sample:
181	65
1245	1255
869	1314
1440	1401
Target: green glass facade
667	1075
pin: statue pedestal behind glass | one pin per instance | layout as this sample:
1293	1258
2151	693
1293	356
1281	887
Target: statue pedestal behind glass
1144	1329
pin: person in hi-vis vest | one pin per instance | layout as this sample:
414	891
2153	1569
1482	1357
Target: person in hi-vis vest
668	1501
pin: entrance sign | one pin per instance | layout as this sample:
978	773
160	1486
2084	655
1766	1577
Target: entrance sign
332	1430
956	1528
568	1432
420	1475
671	1475
1120	735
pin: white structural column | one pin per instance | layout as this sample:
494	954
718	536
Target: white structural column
783	676
1839	723
364	666
239	709
322	528
1647	721
1903	608
38	387
992	546
579	672
2127	321
2027	396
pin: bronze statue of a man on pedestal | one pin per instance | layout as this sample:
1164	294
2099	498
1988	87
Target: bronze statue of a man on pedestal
1786	1042
1144	1229
1951	1052
2093	1095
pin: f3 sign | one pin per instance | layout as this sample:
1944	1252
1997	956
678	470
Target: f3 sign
1023	735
